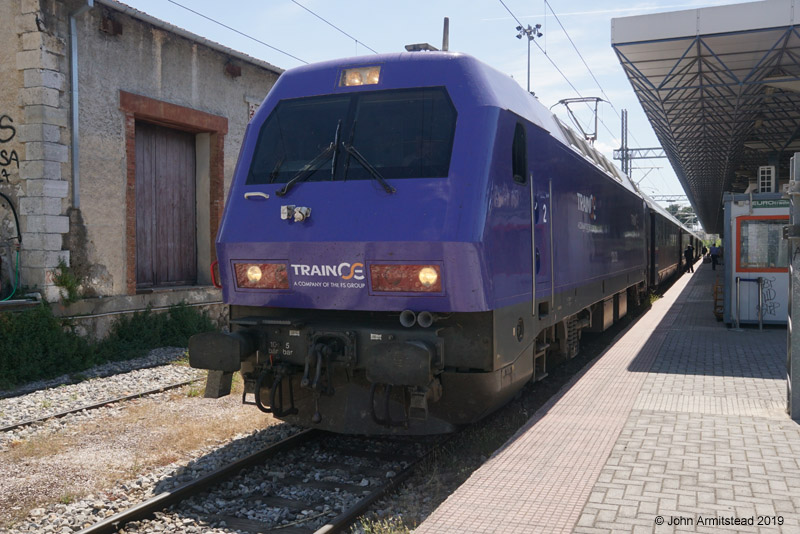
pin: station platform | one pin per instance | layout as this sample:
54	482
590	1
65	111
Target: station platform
680	426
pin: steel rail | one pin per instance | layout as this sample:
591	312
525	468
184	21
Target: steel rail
99	404
147	508
162	500
346	518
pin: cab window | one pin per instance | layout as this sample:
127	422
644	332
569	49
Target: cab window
519	156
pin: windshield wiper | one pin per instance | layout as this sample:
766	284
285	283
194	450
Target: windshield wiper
335	148
370	169
347	159
308	169
275	170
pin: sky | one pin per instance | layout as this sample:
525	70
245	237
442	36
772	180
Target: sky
482	28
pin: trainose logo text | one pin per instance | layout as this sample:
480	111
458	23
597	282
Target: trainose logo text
345	271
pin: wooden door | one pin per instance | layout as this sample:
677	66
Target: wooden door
166	251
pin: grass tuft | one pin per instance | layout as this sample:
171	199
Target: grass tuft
67	498
384	526
68	283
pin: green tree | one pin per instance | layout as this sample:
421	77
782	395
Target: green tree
673	209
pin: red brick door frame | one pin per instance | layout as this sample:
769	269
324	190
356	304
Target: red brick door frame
142	108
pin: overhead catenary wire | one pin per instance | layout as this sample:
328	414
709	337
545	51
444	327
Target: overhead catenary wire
599	85
511	13
608	99
259	41
553	63
564	76
335	27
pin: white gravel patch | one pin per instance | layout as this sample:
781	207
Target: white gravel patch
154	358
68	518
240	496
51	401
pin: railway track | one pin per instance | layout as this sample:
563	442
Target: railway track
311	482
96	405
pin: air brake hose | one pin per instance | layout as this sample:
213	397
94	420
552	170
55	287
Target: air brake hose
15	278
16	281
257	394
16	219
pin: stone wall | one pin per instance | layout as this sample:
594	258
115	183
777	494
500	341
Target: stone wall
44	98
94	317
120	52
33	122
10	147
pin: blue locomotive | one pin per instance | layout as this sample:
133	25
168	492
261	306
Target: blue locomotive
410	238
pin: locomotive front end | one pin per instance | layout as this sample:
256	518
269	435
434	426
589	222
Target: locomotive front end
350	255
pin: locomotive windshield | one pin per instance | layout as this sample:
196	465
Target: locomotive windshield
401	133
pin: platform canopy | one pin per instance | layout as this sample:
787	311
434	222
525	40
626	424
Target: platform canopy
721	88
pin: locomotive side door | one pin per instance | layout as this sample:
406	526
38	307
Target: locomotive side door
533	241
541	222
543	239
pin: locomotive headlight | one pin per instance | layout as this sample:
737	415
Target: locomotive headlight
261	275
254	273
404	278
373	75
353	77
428	276
360	76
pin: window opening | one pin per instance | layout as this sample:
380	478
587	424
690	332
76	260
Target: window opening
761	244
519	156
400	133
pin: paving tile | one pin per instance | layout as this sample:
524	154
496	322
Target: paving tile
681	417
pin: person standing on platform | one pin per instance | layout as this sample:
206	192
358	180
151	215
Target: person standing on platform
688	255
714	256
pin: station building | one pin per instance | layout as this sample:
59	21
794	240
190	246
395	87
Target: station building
119	134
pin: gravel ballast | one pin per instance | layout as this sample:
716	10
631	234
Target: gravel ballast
127	380
66	473
65	518
154	358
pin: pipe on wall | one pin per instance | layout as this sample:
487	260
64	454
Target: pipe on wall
73	70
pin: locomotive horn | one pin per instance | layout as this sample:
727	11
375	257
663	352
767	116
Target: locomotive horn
425	319
407	318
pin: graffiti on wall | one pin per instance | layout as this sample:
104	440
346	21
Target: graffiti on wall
769	304
9	159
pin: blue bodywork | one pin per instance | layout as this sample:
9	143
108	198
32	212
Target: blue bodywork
475	222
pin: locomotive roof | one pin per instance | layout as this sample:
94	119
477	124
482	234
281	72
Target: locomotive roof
463	75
